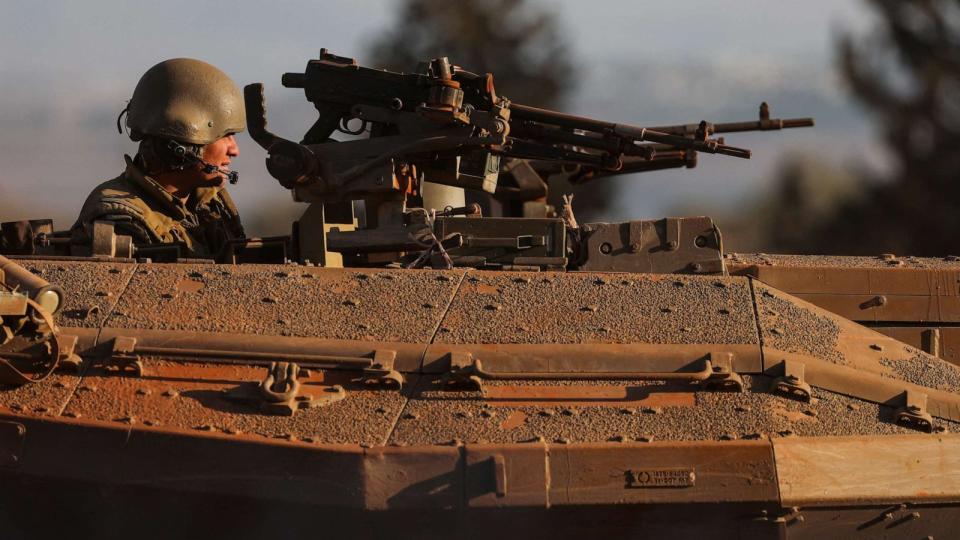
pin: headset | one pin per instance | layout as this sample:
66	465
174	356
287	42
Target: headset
185	154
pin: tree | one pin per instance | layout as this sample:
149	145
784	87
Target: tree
521	44
907	74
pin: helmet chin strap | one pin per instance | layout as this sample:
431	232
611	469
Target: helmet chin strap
181	151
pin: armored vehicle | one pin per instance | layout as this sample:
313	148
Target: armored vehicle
399	367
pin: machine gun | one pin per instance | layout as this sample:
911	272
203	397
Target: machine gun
445	125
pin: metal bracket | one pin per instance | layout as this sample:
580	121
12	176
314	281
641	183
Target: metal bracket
931	341
106	243
462	373
914	413
12	435
792	383
723	378
381	371
673	234
500	475
124	358
69	360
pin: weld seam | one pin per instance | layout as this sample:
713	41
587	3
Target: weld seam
396	419
443	317
756	319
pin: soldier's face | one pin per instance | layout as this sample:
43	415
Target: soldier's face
219	153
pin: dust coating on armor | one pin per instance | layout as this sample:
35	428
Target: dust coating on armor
763	259
789	327
925	370
45	398
193	397
433	416
92	289
581	307
287	300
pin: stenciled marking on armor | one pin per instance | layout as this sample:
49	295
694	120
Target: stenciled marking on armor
661	478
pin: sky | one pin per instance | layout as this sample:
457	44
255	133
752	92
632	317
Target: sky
68	67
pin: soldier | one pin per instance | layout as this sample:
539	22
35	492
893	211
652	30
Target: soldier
184	113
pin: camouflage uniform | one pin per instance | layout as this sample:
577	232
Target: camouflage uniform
141	208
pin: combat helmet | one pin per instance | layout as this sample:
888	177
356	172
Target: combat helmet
186	100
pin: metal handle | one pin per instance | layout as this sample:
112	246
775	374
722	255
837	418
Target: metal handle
701	375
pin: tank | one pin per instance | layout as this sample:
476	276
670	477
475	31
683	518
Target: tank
394	371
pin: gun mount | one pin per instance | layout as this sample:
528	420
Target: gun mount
445	125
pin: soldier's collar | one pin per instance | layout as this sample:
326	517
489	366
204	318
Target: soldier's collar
154	190
203	196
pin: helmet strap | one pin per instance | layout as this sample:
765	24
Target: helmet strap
126	110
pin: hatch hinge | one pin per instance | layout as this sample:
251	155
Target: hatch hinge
279	393
462	373
792	383
723	378
913	413
381	371
123	356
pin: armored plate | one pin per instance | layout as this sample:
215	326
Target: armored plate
522	391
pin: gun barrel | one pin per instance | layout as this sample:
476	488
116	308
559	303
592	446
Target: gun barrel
545	116
294	80
660	135
770	124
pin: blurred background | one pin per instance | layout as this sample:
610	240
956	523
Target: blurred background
882	78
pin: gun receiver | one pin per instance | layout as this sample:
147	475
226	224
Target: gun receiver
446	125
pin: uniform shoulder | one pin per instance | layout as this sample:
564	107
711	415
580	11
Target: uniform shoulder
115	196
122	201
